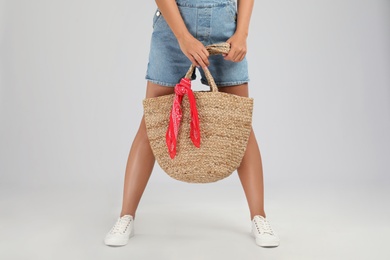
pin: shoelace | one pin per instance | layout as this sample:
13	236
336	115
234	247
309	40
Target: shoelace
264	226
121	225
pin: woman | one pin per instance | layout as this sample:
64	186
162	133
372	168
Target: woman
181	29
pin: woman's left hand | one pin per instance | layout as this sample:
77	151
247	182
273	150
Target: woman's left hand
237	48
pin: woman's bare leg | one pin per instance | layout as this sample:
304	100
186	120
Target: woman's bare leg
250	170
141	160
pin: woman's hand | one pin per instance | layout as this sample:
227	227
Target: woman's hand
237	48
194	50
189	45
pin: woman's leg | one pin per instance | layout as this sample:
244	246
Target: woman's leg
141	160
250	170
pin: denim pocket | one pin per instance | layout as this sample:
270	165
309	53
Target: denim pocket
156	17
232	11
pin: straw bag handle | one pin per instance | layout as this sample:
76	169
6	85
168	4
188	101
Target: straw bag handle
213	49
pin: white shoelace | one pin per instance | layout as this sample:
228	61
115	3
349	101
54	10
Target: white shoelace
263	226
121	225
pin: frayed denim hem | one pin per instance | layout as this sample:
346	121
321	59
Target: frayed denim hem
165	84
226	84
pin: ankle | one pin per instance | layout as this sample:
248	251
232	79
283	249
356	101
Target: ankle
261	213
127	213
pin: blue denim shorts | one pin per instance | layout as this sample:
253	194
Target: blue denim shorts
209	21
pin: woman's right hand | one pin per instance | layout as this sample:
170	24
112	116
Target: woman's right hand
189	45
195	51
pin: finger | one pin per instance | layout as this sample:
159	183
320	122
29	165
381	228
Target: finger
198	58
236	56
240	54
206	52
241	57
230	55
224	54
205	57
194	62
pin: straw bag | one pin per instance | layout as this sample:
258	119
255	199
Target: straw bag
199	136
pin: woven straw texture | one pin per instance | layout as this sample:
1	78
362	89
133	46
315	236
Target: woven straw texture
225	123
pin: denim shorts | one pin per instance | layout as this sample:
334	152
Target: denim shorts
209	21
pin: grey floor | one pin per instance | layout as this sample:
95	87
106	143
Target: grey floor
188	221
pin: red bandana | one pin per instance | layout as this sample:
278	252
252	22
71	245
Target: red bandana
182	88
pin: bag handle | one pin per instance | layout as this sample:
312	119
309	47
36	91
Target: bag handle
213	49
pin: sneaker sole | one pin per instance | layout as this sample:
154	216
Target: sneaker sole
262	244
121	242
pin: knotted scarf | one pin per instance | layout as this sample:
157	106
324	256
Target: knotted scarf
182	88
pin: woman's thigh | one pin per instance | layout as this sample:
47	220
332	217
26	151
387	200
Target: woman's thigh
156	90
239	90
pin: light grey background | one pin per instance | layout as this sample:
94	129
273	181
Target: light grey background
71	89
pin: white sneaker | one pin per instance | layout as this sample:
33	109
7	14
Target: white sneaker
263	233
121	232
